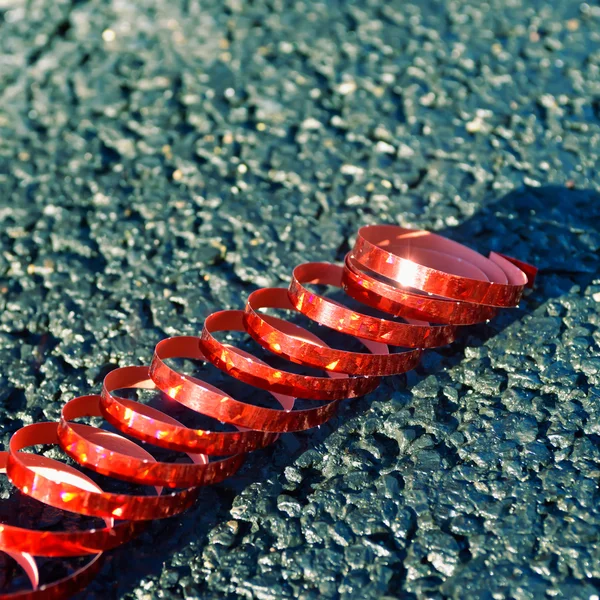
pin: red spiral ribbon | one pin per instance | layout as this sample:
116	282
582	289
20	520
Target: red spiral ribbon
433	283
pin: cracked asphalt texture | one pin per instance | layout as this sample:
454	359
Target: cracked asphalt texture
159	160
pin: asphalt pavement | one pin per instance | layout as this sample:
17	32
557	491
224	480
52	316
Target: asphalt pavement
160	160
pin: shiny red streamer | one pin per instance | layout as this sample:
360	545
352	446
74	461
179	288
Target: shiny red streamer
434	284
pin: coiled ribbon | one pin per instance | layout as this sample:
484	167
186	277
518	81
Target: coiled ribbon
433	283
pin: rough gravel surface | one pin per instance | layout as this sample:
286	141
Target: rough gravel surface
159	160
